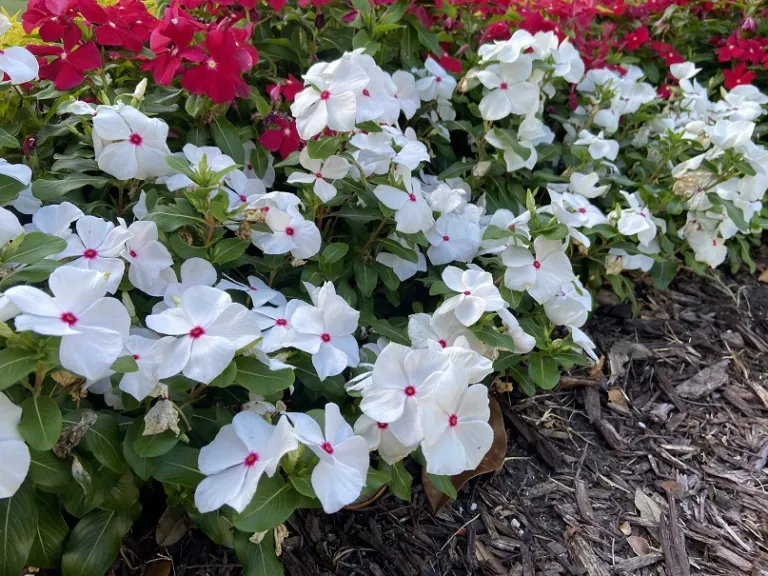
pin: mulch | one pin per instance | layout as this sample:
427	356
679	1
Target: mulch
654	465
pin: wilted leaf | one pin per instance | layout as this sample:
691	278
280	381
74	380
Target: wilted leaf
171	526
639	545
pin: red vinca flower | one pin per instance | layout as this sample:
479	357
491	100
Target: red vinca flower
169	41
668	53
635	39
55	18
67	68
284	139
288	89
732	50
216	70
126	25
738	76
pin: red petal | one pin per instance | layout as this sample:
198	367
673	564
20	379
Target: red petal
272	139
85	58
68	77
94	13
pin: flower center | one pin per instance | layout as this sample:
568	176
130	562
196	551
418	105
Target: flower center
365	92
582	210
324	95
242	198
251	459
135	356
446	238
135	139
412	197
318	175
536	264
211	63
503	86
327	447
69	318
290	231
382	425
410	391
438	79
325	337
453	420
90	254
132	253
196	332
443	343
467	293
281	322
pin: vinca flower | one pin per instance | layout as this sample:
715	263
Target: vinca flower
14	453
412	213
540	275
19	64
476	294
149	352
320	171
380	438
524	342
436	84
403	269
148	258
509	93
10	227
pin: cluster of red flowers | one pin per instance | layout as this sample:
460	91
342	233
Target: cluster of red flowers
741	52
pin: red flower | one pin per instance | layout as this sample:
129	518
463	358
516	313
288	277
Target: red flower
54	18
450	64
668	53
67	69
217	70
117	25
664	91
732	50
284	139
277	5
633	40
738	76
168	42
246	52
496	31
287	89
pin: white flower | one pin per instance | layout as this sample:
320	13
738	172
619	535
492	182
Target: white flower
211	329
236	459
258	291
513	160
98	244
401	379
14	454
7	308
25	202
568	63
92	328
215	161
402	268
19	172
412	213
476	294
377	100
684	70
19	63
599	147
453	238
636	219
708	247
128	144
583	341
380	438
339	477
461	356
506	50
727	134
406	94
524	342
541	275
570	306
331	100
149	354
437	84
193	272
575	210
10	227
320	171
445	330
242	191
148	257
505	219
277	325
586	185
456	431
290	233
509	93
55	219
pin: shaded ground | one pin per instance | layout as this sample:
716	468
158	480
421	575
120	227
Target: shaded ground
654	466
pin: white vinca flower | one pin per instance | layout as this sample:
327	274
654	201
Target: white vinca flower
236	459
277	324
541	275
128	144
524	342
570	306
148	258
19	172
444	329
598	146
412	213
325	331
339	477
242	191
506	50
149	352
18	63
256	289
586	185
10	227
403	269
575	210
636	219
290	233
406	93
453	238
55	219
14	453
210	327
320	171
509	92
380	438
476	294
436	84
92	328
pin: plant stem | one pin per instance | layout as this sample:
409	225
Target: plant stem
374	234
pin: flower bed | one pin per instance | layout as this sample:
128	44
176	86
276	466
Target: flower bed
262	253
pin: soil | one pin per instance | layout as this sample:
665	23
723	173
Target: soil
652	464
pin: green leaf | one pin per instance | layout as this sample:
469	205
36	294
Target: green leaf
48	471
362	40
456	169
543	370
95	542
226	137
181	165
334	252
143	467
444	484
102	438
18	520
215	526
40	424
123	495
52	189
394	247
259	379
33	273
226	378
153	445
274	502
125	365
401	481
35	246
375	479
384	328
228	249
366	277
369	126
170	217
394	13
388	277
8	141
259	159
662	274
258	559
50	533
489	336
9	188
303	485
323	147
557	233
426	38
15	364
179	466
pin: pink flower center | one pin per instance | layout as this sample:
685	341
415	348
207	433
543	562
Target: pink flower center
443	343
242	198
327	447
290	231
582	210
251	459
250	166
365	92
714	242
438	79
410	391
467	293
382	425
503	86
135	356
90	254
324	95
325	337
69	318
264	208
318	175
446	238
196	332
135	139
536	264
453	420
643	214
132	253
412	197
281	322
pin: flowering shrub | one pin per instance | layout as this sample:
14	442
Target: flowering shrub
261	253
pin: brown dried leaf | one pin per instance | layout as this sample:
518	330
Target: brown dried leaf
492	461
281	533
616	396
639	545
159	568
171	527
649	510
673	487
625	528
64	378
763	276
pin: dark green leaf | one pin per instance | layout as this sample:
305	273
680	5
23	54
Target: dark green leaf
662	274
228	249
543	370
258	559
179	466
323	147
401	481
226	137
95	542
18	521
40	424
35	246
48	471
394	247
15	364
259	379
8	141
153	445
384	328
274	502
52	189
9	188
143	467
170	217
489	336
125	365
102	439
365	277
334	252
50	534
226	378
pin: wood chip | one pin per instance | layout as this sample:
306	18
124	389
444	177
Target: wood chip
705	382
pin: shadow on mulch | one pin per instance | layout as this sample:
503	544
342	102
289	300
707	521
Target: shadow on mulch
654	466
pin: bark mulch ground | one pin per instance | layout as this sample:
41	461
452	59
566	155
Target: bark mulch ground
654	465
